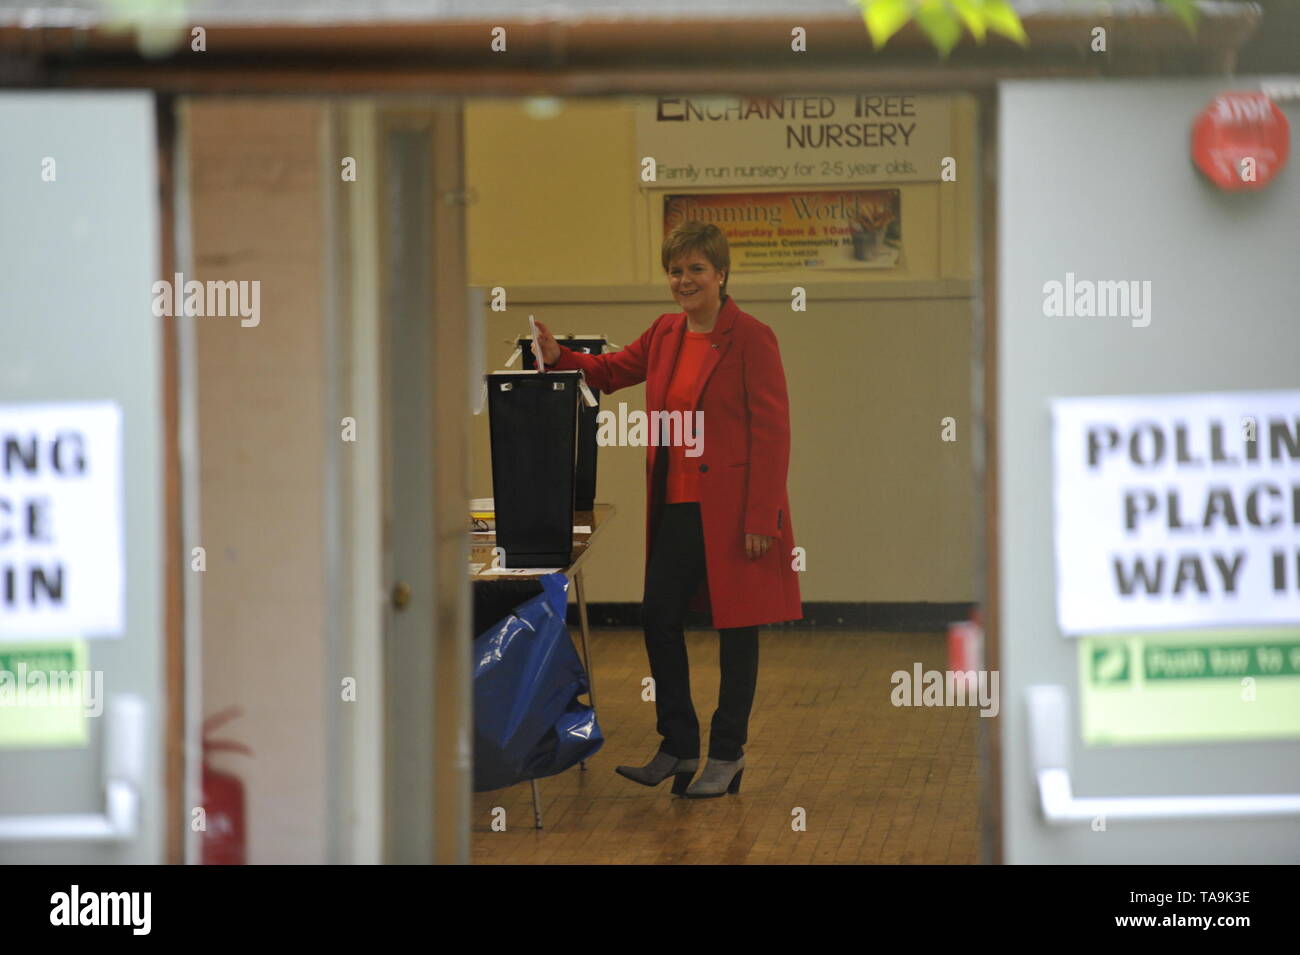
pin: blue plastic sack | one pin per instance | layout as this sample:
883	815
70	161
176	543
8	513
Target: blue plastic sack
528	722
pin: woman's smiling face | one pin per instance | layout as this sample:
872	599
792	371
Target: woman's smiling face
695	283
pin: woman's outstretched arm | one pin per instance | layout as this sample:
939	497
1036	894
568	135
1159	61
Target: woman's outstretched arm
607	373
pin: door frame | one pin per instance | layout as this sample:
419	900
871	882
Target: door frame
352	121
1212	52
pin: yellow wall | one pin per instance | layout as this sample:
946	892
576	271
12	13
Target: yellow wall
884	508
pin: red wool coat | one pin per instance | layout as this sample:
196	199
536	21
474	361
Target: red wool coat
746	454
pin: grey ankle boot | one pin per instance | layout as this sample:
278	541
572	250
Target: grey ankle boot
719	776
659	769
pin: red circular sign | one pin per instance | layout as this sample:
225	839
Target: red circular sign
1241	141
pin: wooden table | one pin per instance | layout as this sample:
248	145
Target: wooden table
481	553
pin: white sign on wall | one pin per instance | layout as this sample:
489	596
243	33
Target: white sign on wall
1177	510
61	544
803	139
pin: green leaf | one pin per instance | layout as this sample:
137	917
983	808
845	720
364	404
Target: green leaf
940	25
1001	18
884	18
972	15
1185	11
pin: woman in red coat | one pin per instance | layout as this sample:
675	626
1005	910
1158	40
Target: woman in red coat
718	530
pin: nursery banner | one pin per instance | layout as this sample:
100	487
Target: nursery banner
839	229
802	140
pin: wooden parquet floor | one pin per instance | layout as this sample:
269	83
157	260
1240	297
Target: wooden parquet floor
877	783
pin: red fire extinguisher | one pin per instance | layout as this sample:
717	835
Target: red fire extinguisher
225	838
966	643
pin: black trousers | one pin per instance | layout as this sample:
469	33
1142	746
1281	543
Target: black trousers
677	566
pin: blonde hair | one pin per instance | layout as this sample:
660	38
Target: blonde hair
701	237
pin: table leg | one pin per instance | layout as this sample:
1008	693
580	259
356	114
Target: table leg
586	652
582	628
537	805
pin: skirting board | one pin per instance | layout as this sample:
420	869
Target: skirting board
906	617
494	601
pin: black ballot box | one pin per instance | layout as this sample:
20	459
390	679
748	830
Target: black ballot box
533	420
494	600
584	495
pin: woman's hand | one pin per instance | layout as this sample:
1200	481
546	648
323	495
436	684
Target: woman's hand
546	341
756	545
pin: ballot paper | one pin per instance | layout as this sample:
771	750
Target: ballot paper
537	349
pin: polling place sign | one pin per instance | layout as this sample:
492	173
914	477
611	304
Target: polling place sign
1177	511
61	544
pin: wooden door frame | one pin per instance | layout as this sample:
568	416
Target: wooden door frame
450	399
451	402
441	118
987	574
454	486
175	812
